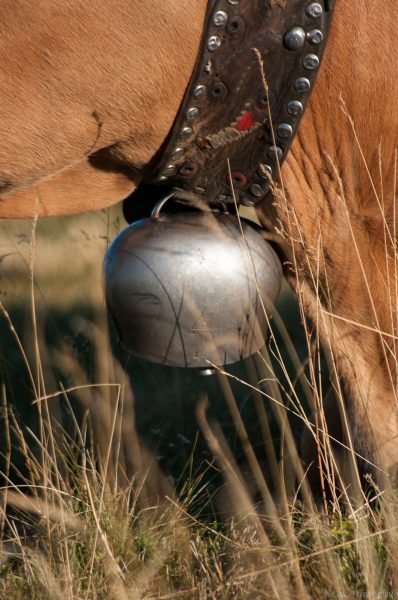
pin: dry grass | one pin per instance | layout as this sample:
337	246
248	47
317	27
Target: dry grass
68	251
93	516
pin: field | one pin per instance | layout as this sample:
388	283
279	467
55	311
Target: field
122	479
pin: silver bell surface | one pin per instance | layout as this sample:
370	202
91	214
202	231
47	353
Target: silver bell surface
191	289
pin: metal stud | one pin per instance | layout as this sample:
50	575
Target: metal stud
170	170
284	131
314	10
263	170
220	18
213	43
200	91
275	152
302	85
177	154
295	108
294	39
310	62
233	1
315	37
248	201
192	114
257	190
208	68
185	133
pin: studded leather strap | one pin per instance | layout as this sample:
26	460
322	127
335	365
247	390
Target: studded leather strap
228	114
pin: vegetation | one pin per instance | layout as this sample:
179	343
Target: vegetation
88	507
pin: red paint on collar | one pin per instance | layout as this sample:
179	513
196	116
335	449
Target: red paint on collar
245	122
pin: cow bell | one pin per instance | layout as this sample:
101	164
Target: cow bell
191	289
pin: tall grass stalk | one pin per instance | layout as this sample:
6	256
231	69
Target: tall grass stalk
86	511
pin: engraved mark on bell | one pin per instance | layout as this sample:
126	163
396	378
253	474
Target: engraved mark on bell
188	289
314	10
284	131
214	43
315	37
294	39
220	18
295	108
302	85
185	133
310	62
200	91
192	113
275	152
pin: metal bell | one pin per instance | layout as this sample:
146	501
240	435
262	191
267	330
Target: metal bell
191	289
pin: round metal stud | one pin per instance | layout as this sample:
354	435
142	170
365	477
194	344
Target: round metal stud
310	62
248	201
263	170
233	1
214	43
275	152
192	113
295	108
314	10
294	39
185	133
170	170
177	154
208	68
200	91
257	190
302	85
220	18
315	37
284	131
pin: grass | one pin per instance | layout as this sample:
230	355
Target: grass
88	507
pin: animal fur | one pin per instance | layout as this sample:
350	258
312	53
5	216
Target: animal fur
88	92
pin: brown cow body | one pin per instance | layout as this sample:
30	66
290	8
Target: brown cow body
80	78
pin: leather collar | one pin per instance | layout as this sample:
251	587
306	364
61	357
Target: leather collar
251	84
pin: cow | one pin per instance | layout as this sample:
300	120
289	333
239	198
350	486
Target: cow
89	92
